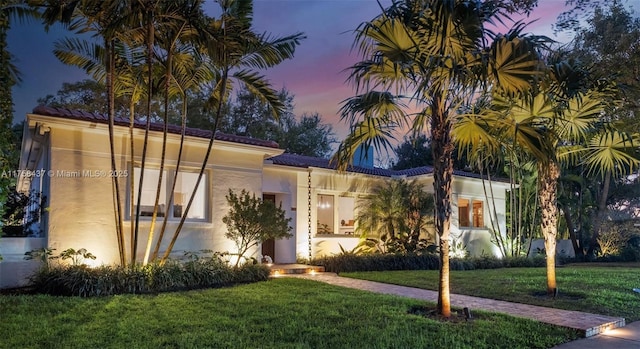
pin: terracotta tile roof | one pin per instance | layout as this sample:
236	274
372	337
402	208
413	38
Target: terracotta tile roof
302	161
285	159
155	126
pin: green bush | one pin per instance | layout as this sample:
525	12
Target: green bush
80	280
381	262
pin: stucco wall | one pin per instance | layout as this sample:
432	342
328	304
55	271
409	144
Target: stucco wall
80	208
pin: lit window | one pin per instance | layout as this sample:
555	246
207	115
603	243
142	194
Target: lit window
346	207
185	183
328	208
463	213
478	221
326	223
149	189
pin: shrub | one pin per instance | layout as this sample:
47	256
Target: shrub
80	280
251	221
381	262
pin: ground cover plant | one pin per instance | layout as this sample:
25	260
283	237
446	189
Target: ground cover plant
280	313
606	290
203	269
350	261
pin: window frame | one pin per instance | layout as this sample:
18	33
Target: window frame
168	179
336	226
471	218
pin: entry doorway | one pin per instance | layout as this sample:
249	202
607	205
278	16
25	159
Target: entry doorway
269	246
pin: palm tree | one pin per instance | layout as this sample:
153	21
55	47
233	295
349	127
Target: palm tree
176	40
559	122
397	212
439	53
107	20
235	50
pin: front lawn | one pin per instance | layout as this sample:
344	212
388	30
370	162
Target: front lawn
280	313
594	289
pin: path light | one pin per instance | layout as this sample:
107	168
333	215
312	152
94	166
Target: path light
312	272
467	313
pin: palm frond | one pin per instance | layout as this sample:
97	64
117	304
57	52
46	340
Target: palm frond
84	54
612	152
260	87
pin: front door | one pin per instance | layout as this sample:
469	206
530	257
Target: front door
269	246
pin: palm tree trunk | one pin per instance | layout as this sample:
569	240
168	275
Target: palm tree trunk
548	174
133	160
597	218
165	131
572	230
442	150
223	85
149	42
110	62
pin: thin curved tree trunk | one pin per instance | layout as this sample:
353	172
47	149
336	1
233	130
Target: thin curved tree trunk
165	131
223	85
114	179
548	174
131	178
597	218
156	249
442	150
572	229
149	40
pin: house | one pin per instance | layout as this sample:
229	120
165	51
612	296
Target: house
66	156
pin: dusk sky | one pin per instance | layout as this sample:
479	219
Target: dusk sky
315	75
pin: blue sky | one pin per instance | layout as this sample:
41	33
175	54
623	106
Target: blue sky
316	75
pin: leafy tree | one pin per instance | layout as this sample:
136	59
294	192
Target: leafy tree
146	39
10	10
559	124
610	44
442	52
399	213
251	221
306	135
416	151
413	152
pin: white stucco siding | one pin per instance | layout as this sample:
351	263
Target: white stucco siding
222	181
478	241
284	184
330	182
80	206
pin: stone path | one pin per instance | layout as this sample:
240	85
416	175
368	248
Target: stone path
587	324
627	337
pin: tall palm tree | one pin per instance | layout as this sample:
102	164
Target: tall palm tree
439	53
559	122
179	31
106	19
237	51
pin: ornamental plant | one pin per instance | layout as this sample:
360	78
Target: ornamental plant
251	221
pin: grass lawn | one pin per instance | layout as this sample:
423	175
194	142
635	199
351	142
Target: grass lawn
280	313
594	289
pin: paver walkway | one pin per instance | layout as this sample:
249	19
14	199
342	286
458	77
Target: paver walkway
627	337
586	323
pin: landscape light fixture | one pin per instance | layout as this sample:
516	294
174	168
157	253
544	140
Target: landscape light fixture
467	313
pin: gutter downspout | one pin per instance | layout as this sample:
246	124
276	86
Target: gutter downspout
309	211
